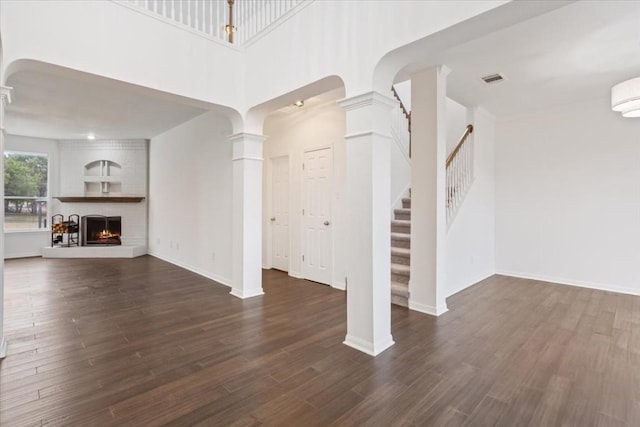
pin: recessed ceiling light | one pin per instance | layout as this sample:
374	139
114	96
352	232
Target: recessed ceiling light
299	103
91	136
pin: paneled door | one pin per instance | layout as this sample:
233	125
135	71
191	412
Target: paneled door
280	213
316	215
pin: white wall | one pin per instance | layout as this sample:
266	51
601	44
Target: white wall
190	196
347	38
568	197
292	136
471	236
137	47
107	39
30	243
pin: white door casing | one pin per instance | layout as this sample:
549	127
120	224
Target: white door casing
280	213
316	215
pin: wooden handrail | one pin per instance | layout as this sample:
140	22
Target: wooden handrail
463	138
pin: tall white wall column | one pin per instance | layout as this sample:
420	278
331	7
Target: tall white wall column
368	222
5	99
428	205
247	215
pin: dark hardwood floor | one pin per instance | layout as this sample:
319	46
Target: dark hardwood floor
140	342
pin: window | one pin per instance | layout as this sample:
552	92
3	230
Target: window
26	178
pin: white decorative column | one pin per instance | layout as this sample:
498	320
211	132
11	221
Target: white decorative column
5	99
368	222
428	177
247	215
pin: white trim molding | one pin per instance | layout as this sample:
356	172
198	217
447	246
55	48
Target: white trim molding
427	309
3	347
238	293
372	349
216	278
366	99
569	282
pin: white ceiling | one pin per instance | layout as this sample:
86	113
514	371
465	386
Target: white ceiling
571	54
50	102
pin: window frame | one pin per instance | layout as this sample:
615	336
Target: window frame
46	229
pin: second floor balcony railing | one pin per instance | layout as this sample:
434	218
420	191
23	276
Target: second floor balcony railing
215	19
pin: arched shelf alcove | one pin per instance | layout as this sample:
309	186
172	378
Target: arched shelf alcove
102	177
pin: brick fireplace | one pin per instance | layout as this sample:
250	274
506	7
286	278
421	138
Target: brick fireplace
100	181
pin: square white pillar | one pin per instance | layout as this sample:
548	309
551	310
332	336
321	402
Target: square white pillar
5	99
369	222
428	178
247	215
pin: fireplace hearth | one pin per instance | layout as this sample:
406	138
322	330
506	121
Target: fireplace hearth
99	230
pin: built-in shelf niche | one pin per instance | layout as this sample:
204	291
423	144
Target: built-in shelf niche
102	177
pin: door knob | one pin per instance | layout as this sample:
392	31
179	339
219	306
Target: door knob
273	218
327	223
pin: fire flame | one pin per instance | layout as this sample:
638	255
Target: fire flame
107	234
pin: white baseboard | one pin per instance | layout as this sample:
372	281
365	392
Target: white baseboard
339	285
427	309
372	349
470	283
3	347
29	254
238	293
569	282
216	278
296	274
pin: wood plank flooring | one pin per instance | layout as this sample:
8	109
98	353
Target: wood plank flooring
141	342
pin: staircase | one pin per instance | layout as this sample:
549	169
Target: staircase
400	253
459	177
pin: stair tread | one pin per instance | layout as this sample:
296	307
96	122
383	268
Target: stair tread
400	236
400	251
401	222
402	210
401	269
400	289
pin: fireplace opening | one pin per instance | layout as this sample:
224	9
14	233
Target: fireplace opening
101	230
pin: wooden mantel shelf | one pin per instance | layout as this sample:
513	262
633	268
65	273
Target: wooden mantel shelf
100	199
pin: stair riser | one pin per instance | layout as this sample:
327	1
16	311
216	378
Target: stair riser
401	228
399	259
404	293
398	300
400	278
406	204
401	243
403	216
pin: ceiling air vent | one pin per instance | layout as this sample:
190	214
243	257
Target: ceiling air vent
493	78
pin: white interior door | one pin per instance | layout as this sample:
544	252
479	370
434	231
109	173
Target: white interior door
316	215
280	213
